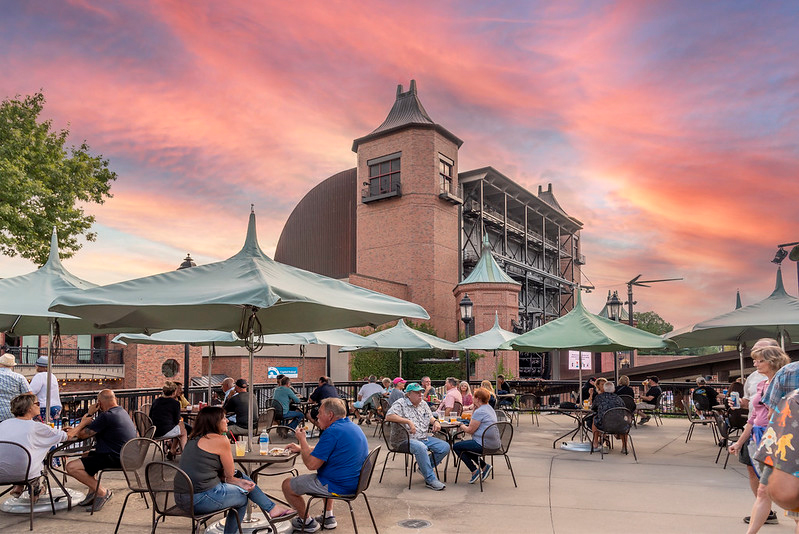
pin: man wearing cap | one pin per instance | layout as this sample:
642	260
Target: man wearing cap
398	392
713	398
39	388
11	384
650	400
417	417
239	404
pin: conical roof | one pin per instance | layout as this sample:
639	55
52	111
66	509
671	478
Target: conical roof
25	299
247	291
402	336
487	269
407	111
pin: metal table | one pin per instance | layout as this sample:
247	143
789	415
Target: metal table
578	414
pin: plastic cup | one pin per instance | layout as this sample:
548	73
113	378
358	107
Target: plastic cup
241	447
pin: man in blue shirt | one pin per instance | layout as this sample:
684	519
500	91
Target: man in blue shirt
337	460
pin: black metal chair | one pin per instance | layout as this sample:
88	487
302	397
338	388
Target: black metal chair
365	478
18	456
135	456
505	429
654	412
697	417
397	440
172	494
616	422
730	431
382	411
145	408
266	419
629	403
529	403
142	422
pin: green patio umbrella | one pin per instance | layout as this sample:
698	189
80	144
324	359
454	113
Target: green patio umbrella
24	303
249	294
491	340
776	316
583	331
402	337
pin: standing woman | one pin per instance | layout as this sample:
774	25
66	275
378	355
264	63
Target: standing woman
208	461
483	417
768	360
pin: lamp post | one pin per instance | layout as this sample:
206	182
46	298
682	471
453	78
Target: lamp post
614	313
466	306
793	255
188	262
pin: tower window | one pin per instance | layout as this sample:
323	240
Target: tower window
384	177
445	173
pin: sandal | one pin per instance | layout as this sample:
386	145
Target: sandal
284	514
17	493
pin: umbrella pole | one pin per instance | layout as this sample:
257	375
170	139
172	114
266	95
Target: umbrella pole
616	366
399	352
741	359
302	353
496	366
49	368
211	354
250	349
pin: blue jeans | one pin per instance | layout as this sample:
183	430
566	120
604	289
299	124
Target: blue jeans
467	450
419	449
292	418
224	495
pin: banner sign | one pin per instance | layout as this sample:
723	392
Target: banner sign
575	357
290	372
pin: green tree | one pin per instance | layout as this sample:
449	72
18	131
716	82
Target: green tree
652	322
44	184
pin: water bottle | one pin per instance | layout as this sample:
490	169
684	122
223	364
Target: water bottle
264	442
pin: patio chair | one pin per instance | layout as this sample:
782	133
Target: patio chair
279	419
365	478
654	412
172	494
397	440
729	432
266	419
145	408
505	429
629	403
135	456
616	422
698	418
382	411
528	403
142	422
502	416
16	456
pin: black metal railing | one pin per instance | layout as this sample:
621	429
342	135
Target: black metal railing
29	355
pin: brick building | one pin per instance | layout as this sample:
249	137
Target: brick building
405	221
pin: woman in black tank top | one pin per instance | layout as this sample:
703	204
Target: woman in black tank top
208	462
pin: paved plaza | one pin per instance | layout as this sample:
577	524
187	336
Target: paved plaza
674	487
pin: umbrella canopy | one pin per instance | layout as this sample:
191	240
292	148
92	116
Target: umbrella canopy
582	330
775	316
248	291
402	337
491	339
181	337
338	337
24	300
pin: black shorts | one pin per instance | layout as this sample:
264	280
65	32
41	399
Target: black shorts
95	462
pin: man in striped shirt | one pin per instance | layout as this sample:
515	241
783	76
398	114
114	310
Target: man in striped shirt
11	384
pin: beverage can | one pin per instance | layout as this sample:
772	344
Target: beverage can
735	397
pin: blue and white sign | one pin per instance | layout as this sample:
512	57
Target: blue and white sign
290	372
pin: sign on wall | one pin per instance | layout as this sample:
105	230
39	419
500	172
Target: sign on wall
575	357
290	372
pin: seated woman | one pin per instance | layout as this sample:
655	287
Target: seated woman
208	461
165	413
602	403
599	384
466	395
492	401
36	437
483	417
624	387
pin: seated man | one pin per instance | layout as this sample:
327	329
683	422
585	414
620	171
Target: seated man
417	417
36	437
325	390
337	460
367	393
239	404
285	395
452	395
429	394
649	401
112	428
713	398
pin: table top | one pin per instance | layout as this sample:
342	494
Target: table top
255	456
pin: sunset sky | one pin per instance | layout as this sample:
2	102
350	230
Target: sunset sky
670	129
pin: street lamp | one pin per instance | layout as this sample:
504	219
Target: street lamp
614	305
466	306
782	254
187	262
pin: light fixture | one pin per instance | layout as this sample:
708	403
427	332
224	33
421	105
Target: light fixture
614	306
466	306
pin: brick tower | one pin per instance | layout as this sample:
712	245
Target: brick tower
407	213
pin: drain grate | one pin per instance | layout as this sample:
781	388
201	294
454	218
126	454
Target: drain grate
415	523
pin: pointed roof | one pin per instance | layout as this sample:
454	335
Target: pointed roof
402	336
490	339
487	269
406	112
549	197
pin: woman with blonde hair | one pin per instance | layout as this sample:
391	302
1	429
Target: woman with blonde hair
768	359
492	400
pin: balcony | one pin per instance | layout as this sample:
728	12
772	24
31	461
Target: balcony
450	192
374	191
29	355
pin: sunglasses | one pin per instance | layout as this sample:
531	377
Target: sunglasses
37	403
